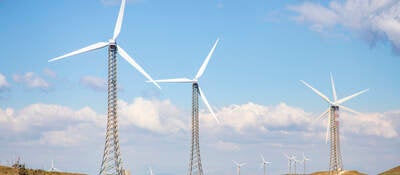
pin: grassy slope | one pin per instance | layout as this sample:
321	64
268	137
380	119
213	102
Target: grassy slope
393	171
12	171
342	173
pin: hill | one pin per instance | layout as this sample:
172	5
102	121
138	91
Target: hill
350	172
4	170
393	171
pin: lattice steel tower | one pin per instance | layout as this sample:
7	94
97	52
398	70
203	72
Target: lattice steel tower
335	161
195	167
111	162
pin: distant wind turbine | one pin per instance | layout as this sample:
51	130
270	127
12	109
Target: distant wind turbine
264	164
305	159
290	159
238	166
53	169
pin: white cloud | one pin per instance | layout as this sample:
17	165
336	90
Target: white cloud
50	73
258	118
372	20
226	146
3	82
253	118
154	115
94	83
31	80
63	126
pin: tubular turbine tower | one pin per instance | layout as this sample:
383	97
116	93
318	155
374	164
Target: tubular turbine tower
111	162
332	129
195	166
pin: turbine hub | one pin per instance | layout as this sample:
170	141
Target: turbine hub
112	42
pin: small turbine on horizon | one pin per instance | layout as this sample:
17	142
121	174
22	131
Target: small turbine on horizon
290	159
264	164
238	166
53	169
305	159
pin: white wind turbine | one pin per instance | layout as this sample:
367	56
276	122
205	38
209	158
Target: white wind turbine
305	159
264	164
195	166
290	159
111	162
53	169
332	130
151	171
238	166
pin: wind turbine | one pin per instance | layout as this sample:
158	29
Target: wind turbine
151	171
332	130
238	166
290	159
111	162
52	169
264	164
305	159
195	159
295	164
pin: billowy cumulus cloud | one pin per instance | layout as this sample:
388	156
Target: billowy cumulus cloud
3	83
372	20
32	81
61	125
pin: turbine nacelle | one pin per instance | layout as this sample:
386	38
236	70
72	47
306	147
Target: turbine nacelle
112	42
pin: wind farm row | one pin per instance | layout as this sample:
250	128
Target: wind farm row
112	158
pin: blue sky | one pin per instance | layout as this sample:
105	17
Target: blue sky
265	48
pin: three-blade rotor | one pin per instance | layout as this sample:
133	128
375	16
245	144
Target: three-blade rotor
334	103
195	80
110	43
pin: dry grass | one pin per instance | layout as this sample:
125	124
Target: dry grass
352	172
393	171
13	171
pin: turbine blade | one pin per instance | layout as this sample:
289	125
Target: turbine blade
237	164
287	156
333	89
208	105
351	96
262	157
175	80
321	116
120	18
205	63
317	92
243	164
134	64
95	46
350	110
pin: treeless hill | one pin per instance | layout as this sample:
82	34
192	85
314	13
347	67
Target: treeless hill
393	171
350	172
4	170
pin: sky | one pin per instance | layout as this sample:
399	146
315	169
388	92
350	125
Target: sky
57	111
